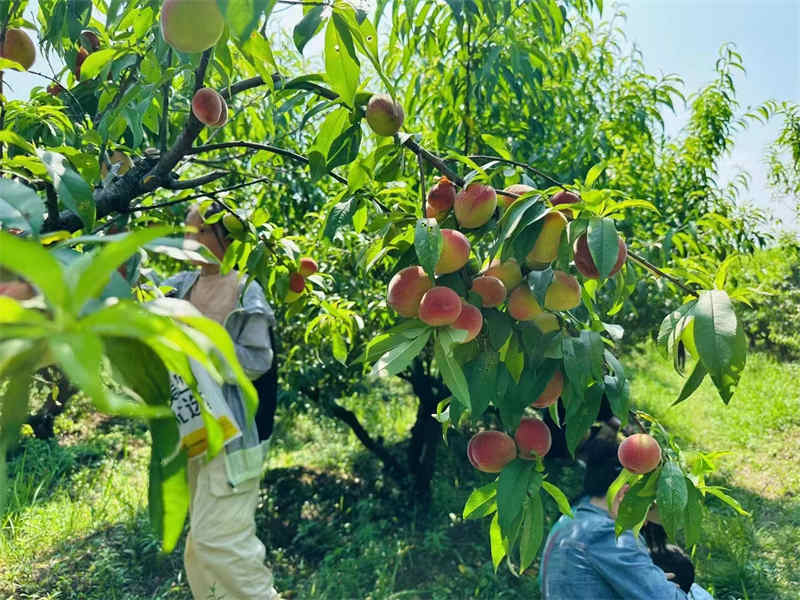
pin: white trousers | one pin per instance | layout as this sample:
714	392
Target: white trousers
224	559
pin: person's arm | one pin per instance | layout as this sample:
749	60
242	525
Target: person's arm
625	564
250	332
18	290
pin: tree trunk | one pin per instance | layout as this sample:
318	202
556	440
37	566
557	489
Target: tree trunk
42	422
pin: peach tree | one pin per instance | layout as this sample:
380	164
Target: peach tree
504	278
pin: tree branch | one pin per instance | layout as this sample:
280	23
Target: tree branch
519	164
194	197
187	184
658	272
163	124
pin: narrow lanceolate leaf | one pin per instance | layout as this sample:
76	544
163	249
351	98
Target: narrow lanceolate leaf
672	498
452	374
94	62
35	264
479	499
72	190
557	495
532	531
594	173
693	514
581	414
512	490
399	357
720	341
168	489
538	282
482	380
603	244
732	502
428	244
672	327
341	66
20	207
692	383
496	543
633	508
307	27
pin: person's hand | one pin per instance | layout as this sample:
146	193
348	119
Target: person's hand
19	290
670	577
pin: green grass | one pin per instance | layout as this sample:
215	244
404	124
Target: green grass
336	529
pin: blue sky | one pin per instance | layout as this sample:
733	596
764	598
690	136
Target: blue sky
684	37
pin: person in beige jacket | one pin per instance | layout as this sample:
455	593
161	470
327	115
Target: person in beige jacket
223	557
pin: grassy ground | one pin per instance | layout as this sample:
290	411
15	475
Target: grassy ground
77	525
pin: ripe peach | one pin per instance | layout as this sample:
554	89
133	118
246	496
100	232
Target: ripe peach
54	89
470	320
545	249
639	453
546	322
564	292
406	290
191	25
92	40
551	391
517	188
491	290
474	205
455	252
508	272
223	116
490	451
585	263
19	47
533	438
297	283
439	306
308	266
441	196
207	106
83	53
522	304
384	115
564	197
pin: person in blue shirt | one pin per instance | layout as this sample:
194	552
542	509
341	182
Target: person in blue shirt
583	558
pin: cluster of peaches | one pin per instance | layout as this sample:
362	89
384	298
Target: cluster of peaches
412	294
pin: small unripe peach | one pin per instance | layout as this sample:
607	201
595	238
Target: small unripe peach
308	266
475	205
406	289
563	293
552	391
522	304
455	252
191	25
533	438
207	106
384	115
490	451
470	320
639	453
439	306
585	263
545	248
441	196
546	322
508	272
490	289
297	283
19	47
517	188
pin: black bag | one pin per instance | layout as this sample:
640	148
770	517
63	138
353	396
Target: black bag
267	387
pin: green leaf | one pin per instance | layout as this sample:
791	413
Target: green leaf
478	500
14	413
497	144
496	543
20	207
634	506
538	282
672	498
717	491
428	244
624	477
603	244
92	276
582	411
338	217
498	324
512	490
693	514
481	377
720	341
308	27
532	531
338	347
35	264
692	383
168	488
557	495
451	373
341	66
593	174
95	62
146	375
344	149
672	327
243	16
399	357
72	190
